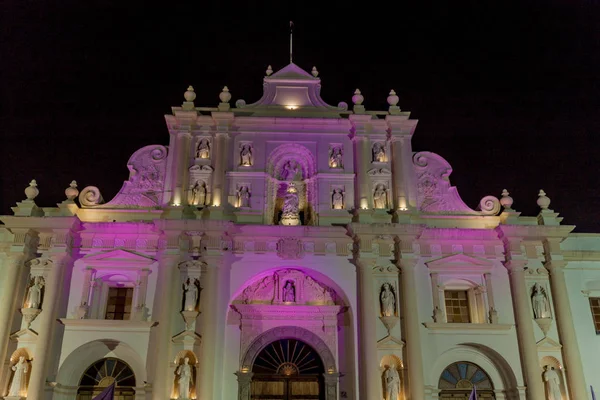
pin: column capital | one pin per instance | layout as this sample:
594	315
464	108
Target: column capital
407	264
515	266
555	266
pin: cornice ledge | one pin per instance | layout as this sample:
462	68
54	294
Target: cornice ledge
38	223
355	228
475	329
533	232
107	325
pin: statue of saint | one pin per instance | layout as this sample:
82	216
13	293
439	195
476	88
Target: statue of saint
539	300
289	292
552	383
190	294
378	152
291	202
19	381
291	172
34	293
198	195
244	197
380	197
246	155
392	383
335	158
337	200
203	149
388	301
184	372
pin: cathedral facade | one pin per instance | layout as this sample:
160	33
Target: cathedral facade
290	249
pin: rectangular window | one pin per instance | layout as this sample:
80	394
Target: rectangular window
595	307
119	303
457	306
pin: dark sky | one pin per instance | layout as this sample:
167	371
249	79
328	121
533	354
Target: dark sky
508	92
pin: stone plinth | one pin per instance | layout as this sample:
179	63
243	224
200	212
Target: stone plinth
248	216
335	217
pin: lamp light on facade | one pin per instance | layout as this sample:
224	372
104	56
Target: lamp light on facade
291	107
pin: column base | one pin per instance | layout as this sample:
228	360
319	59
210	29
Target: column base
248	216
402	216
213	212
15	398
333	217
372	216
172	212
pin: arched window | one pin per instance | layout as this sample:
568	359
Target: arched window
458	379
288	369
102	374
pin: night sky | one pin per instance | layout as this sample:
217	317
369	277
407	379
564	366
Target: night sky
508	92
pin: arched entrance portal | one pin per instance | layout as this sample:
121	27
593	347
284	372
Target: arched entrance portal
458	379
102	374
287	369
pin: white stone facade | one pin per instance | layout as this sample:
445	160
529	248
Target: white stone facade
290	222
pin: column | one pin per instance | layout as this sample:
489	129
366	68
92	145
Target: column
566	330
53	271
438	307
209	330
10	284
370	379
416	382
331	385
183	154
218	195
362	150
527	345
244	380
163	309
399	184
492	312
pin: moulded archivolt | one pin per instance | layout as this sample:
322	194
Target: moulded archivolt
436	195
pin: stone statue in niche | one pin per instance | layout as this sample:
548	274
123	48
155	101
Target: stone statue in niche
387	299
246	155
184	372
198	194
380	197
19	381
289	292
291	203
337	199
191	291
34	293
391	380
203	150
539	300
378	152
552	380
244	197
335	157
291	171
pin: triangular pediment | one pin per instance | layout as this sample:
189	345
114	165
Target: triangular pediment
24	336
548	344
292	71
119	255
459	261
187	337
390	343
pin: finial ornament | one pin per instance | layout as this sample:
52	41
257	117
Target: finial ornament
269	70
32	191
71	192
358	98
225	96
189	95
506	200
393	99
314	72
543	201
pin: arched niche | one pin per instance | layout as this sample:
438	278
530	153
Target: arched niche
194	364
13	360
75	364
553	362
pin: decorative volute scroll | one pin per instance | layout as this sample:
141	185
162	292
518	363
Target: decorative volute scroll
287	286
436	195
145	186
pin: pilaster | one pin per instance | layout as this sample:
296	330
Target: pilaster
401	130
362	148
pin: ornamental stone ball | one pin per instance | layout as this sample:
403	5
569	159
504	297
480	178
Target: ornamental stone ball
71	192
393	99
543	201
32	191
506	200
269	70
358	98
314	72
189	95
225	96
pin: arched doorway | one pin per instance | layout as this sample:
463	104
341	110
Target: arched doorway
102	374
287	369
458	379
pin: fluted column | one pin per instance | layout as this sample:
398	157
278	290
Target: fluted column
527	344
218	195
183	154
362	150
10	283
566	330
416	382
370	380
163	309
400	185
53	270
